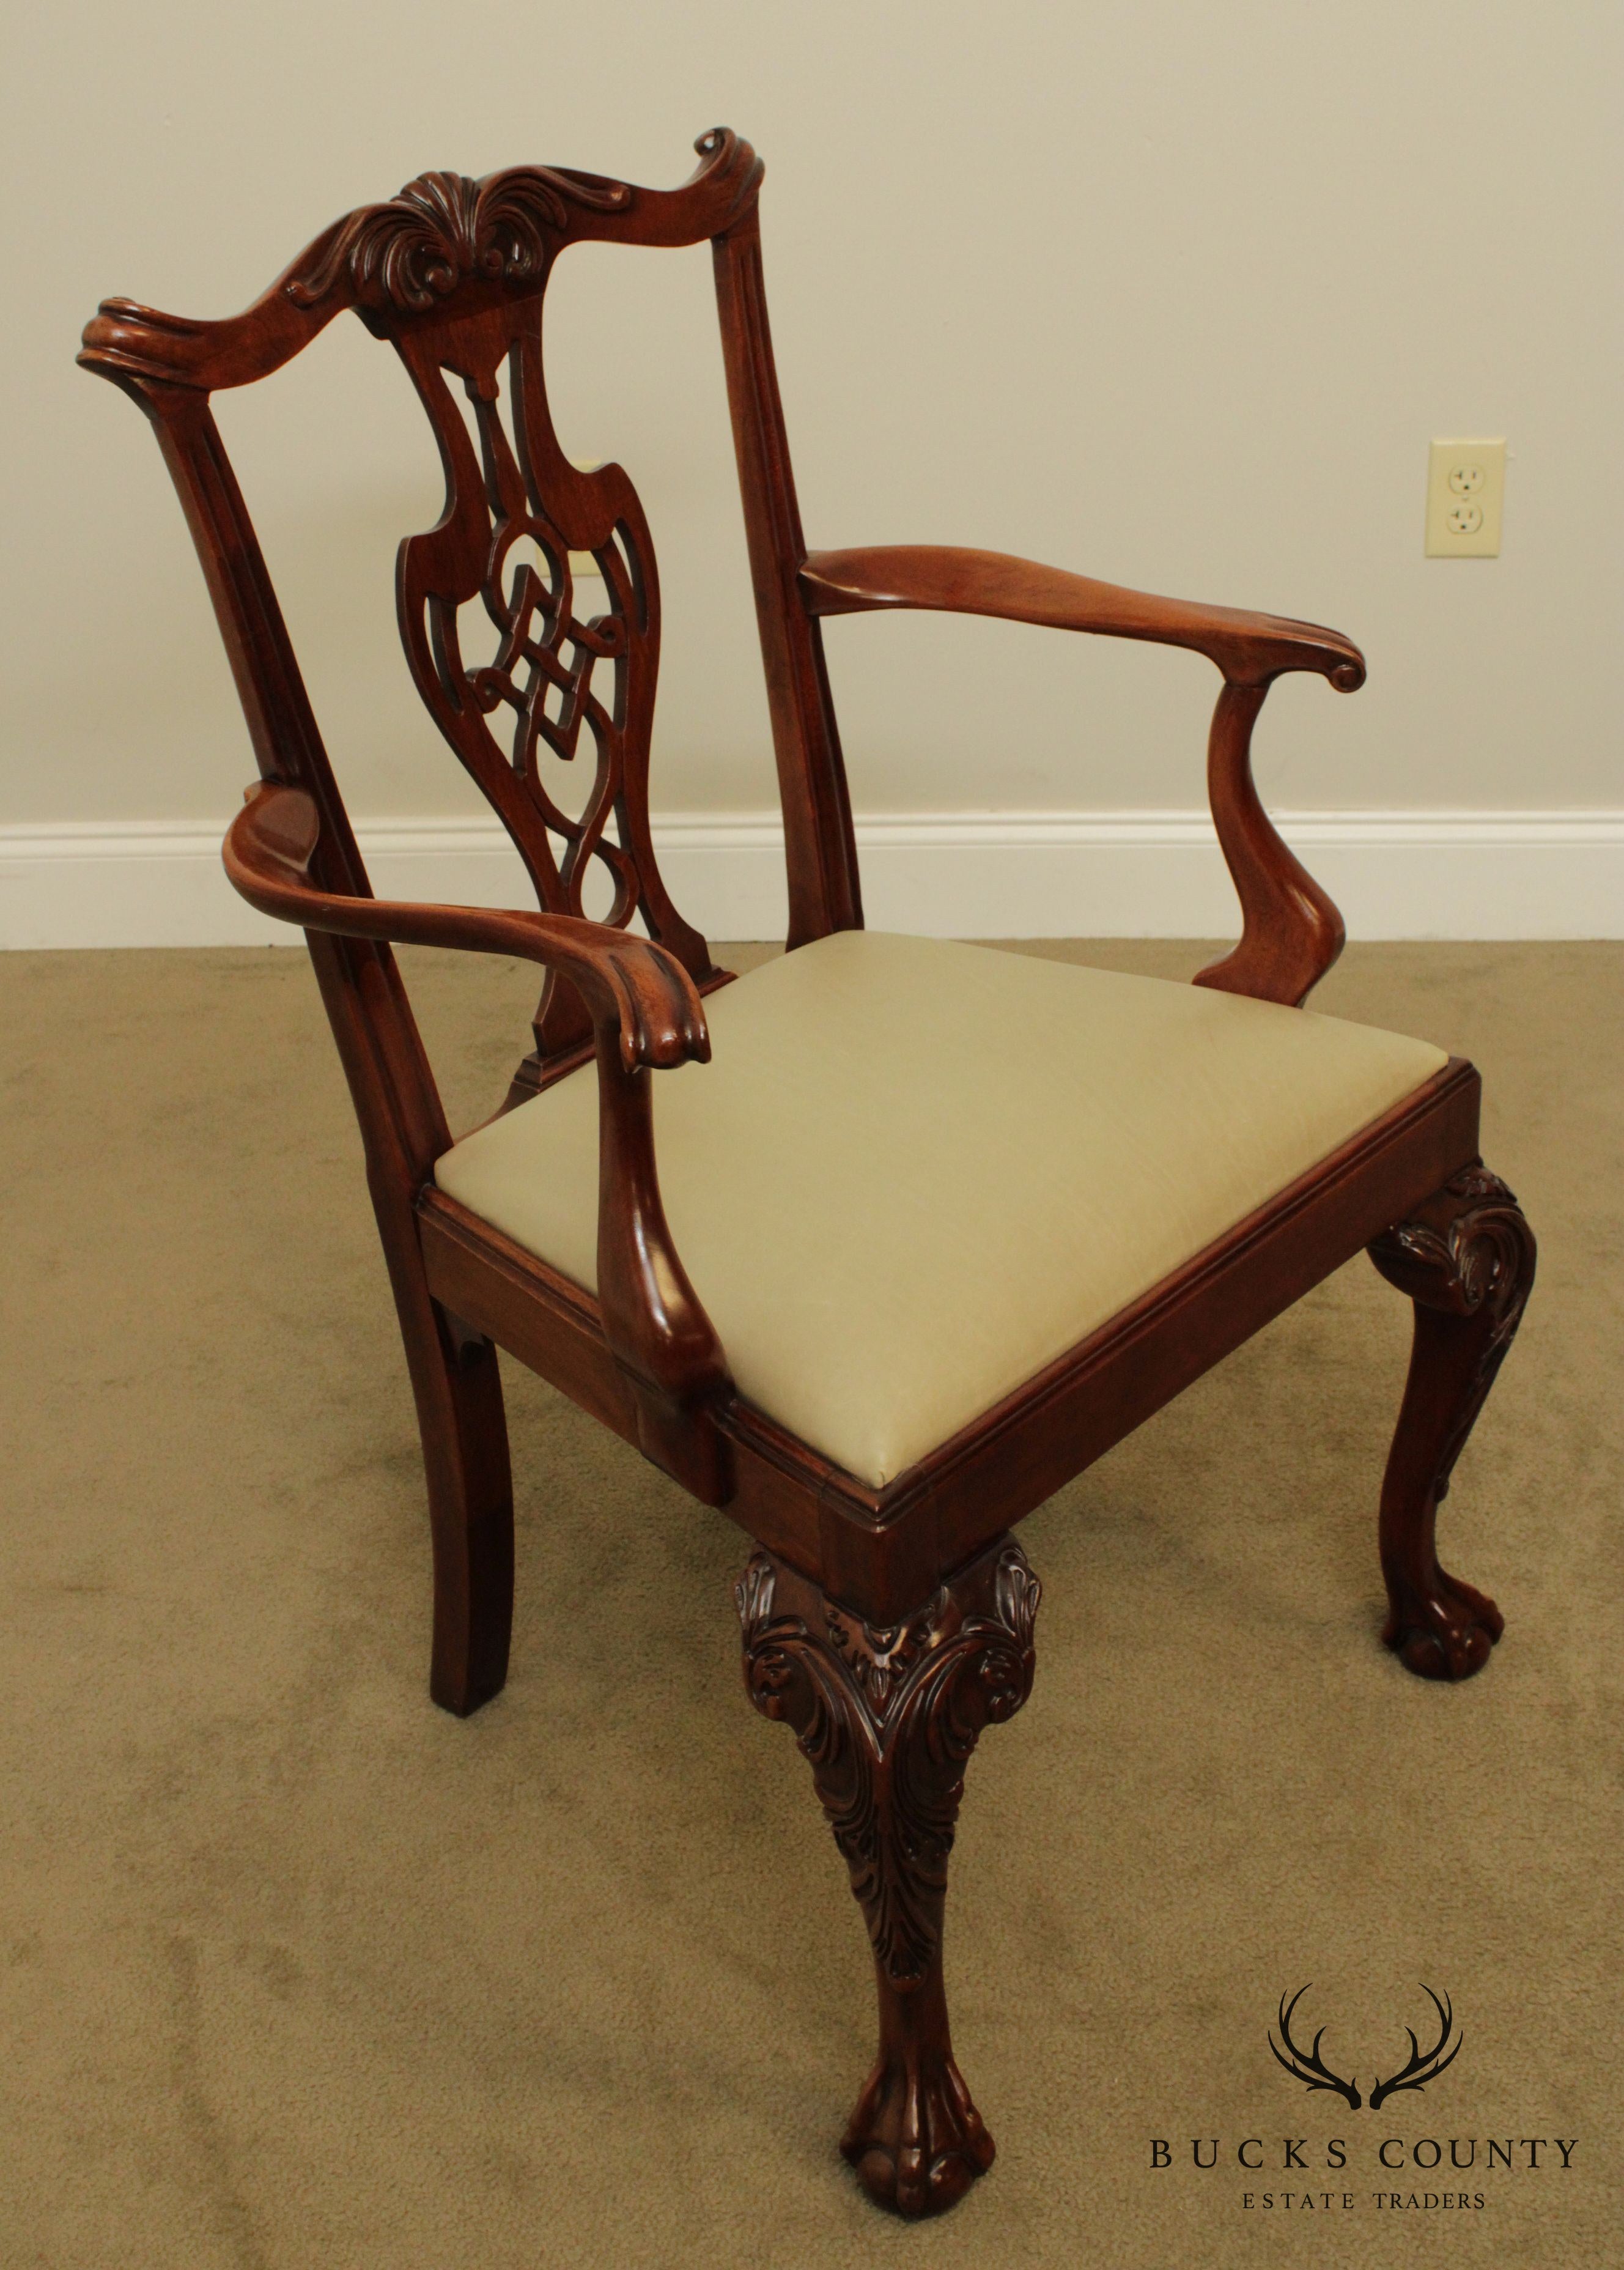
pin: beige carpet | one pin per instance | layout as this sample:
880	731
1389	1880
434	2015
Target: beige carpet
299	1971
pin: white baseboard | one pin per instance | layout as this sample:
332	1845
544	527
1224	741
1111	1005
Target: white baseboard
1121	874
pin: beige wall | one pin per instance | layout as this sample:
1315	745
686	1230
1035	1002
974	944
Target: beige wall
1174	292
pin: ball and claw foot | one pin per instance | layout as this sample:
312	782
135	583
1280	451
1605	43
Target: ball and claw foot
1447	1634
915	2139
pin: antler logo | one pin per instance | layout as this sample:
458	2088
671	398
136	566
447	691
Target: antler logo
1308	2066
1423	2065
1305	2065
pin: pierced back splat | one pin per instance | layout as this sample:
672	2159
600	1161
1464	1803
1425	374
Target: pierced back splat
557	689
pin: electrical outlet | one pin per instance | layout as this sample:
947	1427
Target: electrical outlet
1465	492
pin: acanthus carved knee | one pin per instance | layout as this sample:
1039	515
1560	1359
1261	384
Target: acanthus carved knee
887	1719
1468	1253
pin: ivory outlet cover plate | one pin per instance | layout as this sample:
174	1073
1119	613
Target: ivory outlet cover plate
1466	497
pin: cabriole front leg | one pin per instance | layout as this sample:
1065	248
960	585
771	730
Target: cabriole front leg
887	1720
1466	1259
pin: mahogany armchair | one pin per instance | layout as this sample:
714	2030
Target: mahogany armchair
934	1226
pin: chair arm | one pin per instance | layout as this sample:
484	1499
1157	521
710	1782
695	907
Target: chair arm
634	987
1291	931
1248	649
647	1014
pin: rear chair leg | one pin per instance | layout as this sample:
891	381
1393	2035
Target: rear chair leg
887	1721
471	1519
459	1391
1466	1259
454	1381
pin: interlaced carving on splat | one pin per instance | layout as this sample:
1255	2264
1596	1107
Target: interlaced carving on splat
543	671
537	623
554	687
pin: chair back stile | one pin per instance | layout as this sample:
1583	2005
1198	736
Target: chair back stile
403	1122
819	847
453	272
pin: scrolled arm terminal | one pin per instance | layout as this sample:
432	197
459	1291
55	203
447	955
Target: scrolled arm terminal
636	990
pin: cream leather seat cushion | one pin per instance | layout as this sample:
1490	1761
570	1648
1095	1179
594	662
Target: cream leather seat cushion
914	1172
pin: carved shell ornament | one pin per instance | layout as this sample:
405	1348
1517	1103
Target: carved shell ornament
444	228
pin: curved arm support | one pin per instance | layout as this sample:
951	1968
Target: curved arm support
646	1014
1291	932
1248	649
